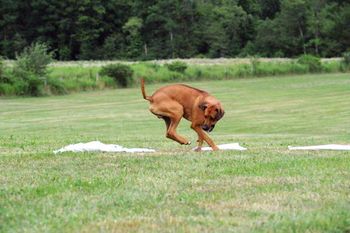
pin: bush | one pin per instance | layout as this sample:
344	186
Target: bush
35	86
345	63
56	86
34	59
6	89
122	74
255	63
331	66
346	58
64	53
29	71
20	87
1	68
4	76
313	63
177	66
152	65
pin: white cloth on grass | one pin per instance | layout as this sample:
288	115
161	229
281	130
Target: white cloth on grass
229	146
97	146
321	147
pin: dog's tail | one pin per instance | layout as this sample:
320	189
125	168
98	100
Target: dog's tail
149	98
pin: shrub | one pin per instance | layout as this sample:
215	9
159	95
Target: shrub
6	89
1	68
177	66
332	66
35	86
34	59
152	65
255	63
243	70
313	63
20	87
122	74
198	74
4	76
56	86
64	53
297	68
346	58
345	63
30	69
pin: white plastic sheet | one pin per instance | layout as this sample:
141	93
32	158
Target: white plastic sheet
321	147
229	146
97	146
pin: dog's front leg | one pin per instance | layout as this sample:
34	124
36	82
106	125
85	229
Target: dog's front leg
203	136
200	143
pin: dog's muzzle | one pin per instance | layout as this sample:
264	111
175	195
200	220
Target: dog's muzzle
208	128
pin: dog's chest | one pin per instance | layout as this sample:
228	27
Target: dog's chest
187	115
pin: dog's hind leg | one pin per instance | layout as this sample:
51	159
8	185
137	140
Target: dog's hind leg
167	122
171	112
172	134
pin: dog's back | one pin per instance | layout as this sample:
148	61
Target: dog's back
179	89
179	92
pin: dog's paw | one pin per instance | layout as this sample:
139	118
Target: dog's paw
197	149
186	143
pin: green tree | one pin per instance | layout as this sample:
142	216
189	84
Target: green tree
314	21
293	23
109	29
113	47
89	28
9	27
226	29
285	34
132	29
169	29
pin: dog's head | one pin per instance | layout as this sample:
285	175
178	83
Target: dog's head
213	112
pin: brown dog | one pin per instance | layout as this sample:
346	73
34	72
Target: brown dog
173	102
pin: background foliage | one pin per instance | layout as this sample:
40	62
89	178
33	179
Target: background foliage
121	73
119	29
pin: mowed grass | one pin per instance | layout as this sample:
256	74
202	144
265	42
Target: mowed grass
264	189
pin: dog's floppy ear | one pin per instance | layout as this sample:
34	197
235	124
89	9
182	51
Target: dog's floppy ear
203	106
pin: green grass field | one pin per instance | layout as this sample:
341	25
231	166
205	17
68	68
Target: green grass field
264	189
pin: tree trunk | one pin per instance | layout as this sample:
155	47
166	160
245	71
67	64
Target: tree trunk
316	42
317	33
172	44
146	49
302	38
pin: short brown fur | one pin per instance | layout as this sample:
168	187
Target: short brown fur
173	102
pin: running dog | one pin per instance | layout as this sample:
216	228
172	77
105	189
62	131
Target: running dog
173	102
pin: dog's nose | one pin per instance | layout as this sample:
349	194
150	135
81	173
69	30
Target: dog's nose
211	128
205	127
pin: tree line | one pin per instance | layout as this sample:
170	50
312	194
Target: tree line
159	29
